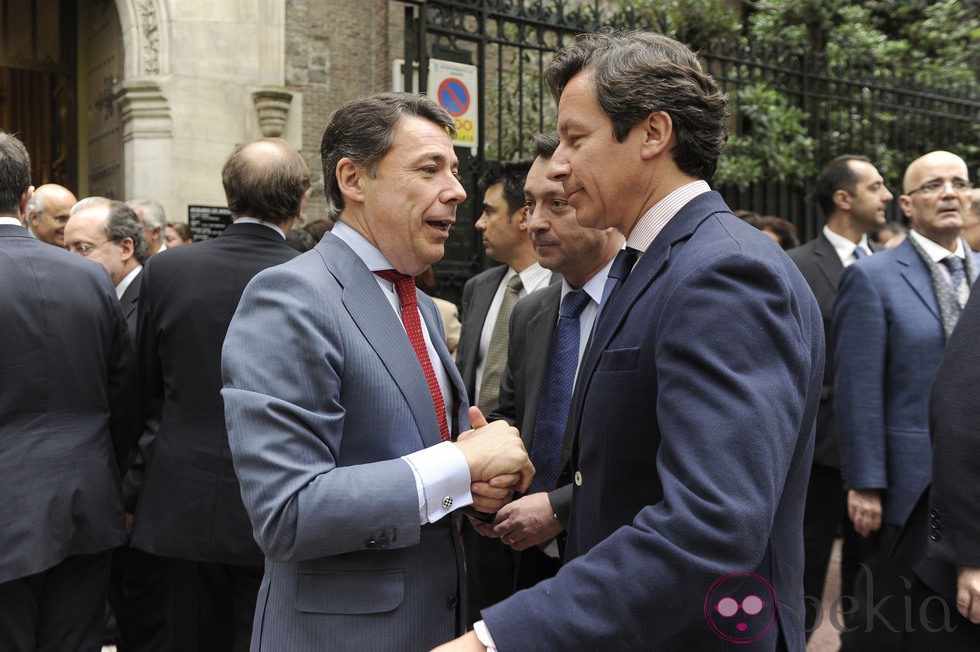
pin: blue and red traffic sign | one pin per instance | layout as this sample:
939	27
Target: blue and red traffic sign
454	96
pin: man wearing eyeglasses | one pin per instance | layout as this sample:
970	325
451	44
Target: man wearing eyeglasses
894	313
109	233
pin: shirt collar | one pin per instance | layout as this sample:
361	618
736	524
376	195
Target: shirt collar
367	252
843	246
653	222
249	220
127	280
594	286
934	250
11	221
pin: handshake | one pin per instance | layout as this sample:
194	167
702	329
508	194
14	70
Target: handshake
498	463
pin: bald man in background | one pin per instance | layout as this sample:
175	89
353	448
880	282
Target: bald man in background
47	213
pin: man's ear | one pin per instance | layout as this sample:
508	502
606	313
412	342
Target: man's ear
128	248
658	130
842	199
24	198
350	179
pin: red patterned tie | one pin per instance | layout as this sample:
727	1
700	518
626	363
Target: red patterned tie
405	287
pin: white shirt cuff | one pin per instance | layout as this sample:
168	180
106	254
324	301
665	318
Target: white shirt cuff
442	479
482	633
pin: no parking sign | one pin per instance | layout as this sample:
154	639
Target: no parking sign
453	86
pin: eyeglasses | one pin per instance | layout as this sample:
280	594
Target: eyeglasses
86	248
938	185
751	605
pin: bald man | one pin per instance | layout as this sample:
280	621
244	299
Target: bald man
894	313
190	511
47	213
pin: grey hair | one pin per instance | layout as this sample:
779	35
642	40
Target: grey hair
153	214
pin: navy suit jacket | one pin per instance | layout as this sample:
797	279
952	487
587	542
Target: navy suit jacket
693	417
190	504
888	339
67	406
323	394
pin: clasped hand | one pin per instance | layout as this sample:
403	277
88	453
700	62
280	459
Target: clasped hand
498	463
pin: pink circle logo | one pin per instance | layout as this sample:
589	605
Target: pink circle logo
741	607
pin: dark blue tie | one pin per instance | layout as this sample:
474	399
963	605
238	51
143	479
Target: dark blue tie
556	393
621	268
859	253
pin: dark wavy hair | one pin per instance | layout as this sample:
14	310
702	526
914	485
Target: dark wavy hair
363	130
639	73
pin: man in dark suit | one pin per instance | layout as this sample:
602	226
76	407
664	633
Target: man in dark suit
190	508
853	196
894	312
942	537
694	409
582	256
488	299
109	233
503	224
67	401
341	400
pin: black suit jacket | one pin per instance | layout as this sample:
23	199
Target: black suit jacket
67	406
190	505
821	267
944	529
129	302
474	306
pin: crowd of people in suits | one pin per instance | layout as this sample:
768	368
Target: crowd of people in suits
656	417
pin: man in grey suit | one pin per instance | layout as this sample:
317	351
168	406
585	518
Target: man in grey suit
582	256
894	313
341	398
853	196
67	400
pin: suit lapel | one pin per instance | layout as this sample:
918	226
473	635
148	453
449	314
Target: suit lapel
916	274
429	316
827	260
650	265
367	305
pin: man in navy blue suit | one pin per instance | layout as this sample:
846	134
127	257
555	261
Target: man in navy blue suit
693	415
894	313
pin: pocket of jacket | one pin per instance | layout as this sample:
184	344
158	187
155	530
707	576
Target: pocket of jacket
349	592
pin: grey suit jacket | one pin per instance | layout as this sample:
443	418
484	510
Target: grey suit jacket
474	306
532	325
67	406
323	393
